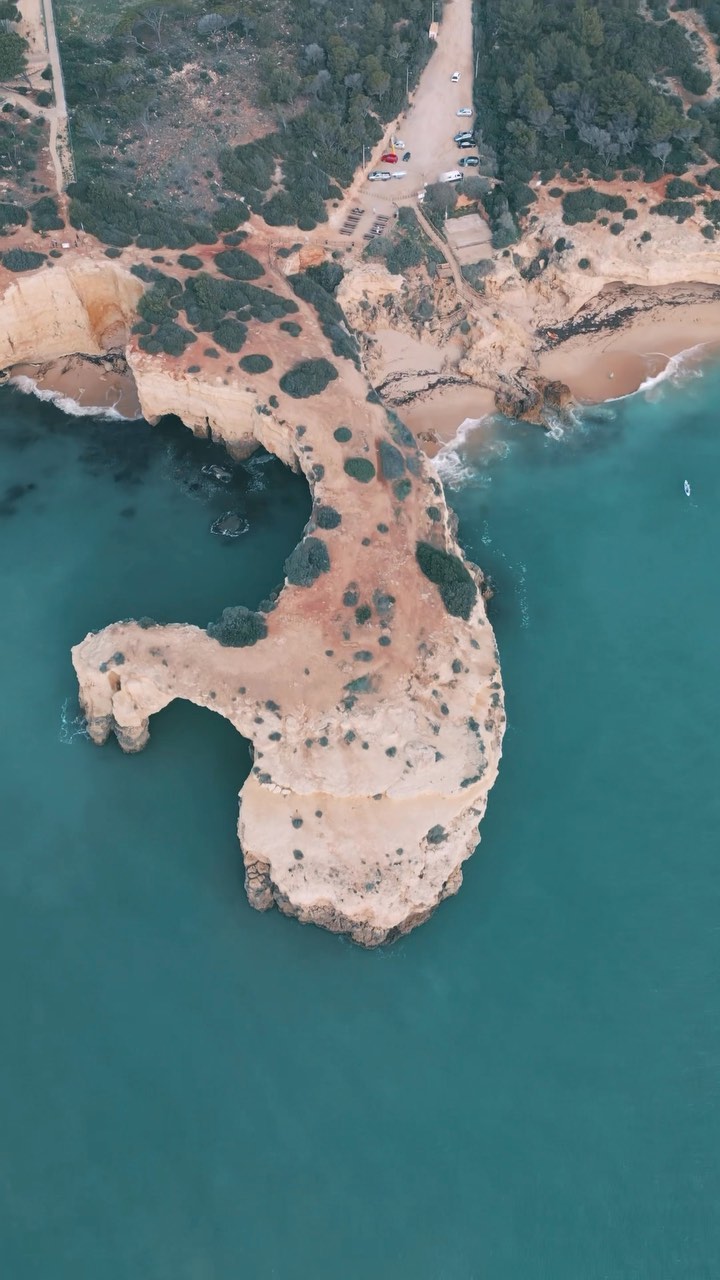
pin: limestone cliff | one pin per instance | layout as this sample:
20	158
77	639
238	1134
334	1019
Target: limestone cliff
371	691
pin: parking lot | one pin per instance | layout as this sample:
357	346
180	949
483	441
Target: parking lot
425	130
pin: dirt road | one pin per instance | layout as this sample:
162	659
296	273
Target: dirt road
38	28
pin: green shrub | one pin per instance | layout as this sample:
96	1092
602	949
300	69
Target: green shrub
230	334
646	235
189	262
255	363
678	209
630	215
44	99
22	260
238	627
342	434
238	265
584	263
360	469
708	231
712	177
308	560
556	192
434	514
111	252
679	187
327	517
308	378
236	238
401	489
12	215
457	588
230	215
291	327
616	228
392	462
45	215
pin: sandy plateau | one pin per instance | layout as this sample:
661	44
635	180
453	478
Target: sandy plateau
375	715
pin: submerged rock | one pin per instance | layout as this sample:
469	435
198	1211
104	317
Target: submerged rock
230	525
218	473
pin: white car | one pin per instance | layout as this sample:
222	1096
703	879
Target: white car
464	111
455	77
399	144
399	173
421	197
375	176
385	177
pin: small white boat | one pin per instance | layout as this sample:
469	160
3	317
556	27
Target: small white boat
686	487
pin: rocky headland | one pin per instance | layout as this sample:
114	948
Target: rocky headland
369	686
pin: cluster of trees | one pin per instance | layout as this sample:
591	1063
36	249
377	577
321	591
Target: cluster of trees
573	86
308	378
221	308
108	211
318	286
13	47
354	64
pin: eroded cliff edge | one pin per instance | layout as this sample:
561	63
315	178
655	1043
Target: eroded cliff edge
371	691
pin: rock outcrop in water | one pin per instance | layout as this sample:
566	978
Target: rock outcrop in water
369	688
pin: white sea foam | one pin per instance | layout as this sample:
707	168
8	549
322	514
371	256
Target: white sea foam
29	387
72	726
452	468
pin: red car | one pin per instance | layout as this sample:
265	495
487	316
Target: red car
390	157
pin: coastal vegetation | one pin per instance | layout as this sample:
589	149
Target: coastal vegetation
457	588
592	90
308	378
238	627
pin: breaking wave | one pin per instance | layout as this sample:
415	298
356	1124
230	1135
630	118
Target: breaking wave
66	404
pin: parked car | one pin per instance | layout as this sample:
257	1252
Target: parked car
385	177
468	162
421	197
455	77
390	157
398	144
463	134
406	157
375	176
464	111
466	144
399	173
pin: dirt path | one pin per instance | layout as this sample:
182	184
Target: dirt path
38	28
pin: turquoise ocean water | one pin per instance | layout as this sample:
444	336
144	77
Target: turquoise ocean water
527	1087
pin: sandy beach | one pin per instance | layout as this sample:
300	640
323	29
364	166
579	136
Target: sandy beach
617	363
89	384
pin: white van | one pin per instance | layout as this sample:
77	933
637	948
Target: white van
452	175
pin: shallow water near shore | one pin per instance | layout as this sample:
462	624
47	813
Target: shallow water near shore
523	1089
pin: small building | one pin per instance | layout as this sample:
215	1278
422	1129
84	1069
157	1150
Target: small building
433	32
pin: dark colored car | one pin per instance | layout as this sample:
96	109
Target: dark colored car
406	157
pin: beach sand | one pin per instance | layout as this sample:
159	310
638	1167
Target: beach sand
88	384
617	363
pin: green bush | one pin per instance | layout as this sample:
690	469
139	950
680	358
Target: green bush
255	363
12	215
457	588
678	187
342	434
22	260
238	627
238	265
712	177
584	263
360	469
630	215
392	462
308	560
646	235
317	286
678	209
172	338
290	326
230	334
327	517
45	215
308	378
230	215
189	262
616	228
111	252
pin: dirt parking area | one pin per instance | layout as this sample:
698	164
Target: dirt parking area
425	129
